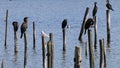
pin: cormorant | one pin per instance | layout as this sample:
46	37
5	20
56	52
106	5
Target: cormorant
89	22
24	26
109	6
15	25
95	9
64	23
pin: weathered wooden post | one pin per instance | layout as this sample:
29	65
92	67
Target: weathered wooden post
108	27
34	35
91	54
77	57
83	24
25	51
95	32
6	29
44	51
64	24
2	64
86	50
15	27
105	64
50	54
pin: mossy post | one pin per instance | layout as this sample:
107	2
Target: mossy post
108	27
6	29
50	53
78	57
95	32
34	35
83	25
91	54
25	51
44	51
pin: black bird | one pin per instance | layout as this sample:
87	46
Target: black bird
24	26
109	6
64	23
15	25
95	9
89	22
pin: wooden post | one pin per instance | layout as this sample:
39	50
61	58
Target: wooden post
50	54
95	32
25	51
6	29
2	64
91	54
101	54
64	39
108	27
86	50
77	58
15	27
83	25
44	51
34	35
105	64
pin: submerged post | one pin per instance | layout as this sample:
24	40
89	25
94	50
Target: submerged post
91	54
34	35
77	57
6	29
108	27
25	51
83	25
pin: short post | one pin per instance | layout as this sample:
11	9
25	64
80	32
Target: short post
44	51
108	27
15	27
91	54
77	57
95	32
50	54
34	35
2	64
83	25
6	29
25	51
101	54
105	64
64	39
86	50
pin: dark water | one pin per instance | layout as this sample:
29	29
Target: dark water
48	15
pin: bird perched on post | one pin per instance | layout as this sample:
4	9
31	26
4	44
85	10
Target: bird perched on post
64	23
95	9
109	6
89	22
15	25
24	26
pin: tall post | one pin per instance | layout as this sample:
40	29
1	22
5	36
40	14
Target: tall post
44	51
91	54
25	51
64	39
86	50
83	24
6	29
34	35
95	32
77	58
108	27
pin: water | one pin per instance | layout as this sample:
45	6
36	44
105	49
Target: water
48	15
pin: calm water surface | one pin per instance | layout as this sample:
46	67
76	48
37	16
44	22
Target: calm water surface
48	15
